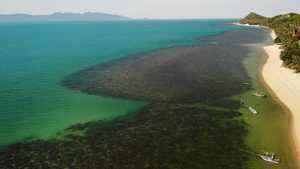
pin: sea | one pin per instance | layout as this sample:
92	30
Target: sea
35	56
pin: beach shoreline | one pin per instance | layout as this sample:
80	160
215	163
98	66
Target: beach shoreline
284	84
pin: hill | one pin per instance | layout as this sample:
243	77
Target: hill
254	19
61	16
287	29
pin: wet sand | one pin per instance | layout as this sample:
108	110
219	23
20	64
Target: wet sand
285	84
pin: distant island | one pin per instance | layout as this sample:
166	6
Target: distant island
61	16
287	29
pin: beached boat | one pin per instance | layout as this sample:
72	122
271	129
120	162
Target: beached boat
259	95
264	157
270	159
252	110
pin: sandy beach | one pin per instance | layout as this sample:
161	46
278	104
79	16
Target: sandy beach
285	84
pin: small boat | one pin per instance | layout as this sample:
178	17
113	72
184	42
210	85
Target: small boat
252	110
264	157
270	159
259	95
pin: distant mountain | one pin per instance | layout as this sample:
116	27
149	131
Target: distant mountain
254	19
61	16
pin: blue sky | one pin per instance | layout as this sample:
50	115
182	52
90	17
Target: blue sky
155	9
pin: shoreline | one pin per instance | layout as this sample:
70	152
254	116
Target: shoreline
284	84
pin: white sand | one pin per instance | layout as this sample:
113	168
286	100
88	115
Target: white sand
286	85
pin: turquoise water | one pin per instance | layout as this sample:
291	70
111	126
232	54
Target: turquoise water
36	56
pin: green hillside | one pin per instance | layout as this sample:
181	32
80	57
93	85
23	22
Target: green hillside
254	19
287	29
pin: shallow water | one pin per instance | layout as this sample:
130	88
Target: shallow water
36	56
199	131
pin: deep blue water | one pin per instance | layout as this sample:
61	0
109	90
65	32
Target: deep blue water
36	56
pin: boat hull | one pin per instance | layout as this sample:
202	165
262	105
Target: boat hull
252	110
259	95
269	159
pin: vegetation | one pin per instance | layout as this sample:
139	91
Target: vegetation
287	28
254	19
161	136
185	74
291	57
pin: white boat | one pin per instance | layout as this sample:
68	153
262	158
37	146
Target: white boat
259	95
270	159
252	110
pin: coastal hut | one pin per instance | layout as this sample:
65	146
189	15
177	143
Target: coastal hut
286	16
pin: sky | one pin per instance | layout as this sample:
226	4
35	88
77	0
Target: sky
155	9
